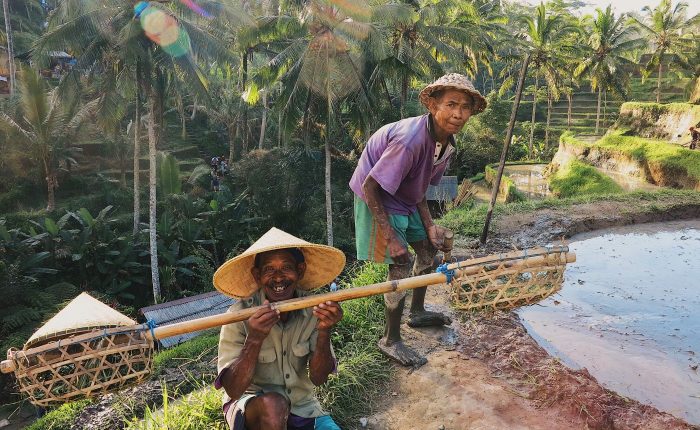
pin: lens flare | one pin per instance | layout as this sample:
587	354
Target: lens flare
163	29
194	7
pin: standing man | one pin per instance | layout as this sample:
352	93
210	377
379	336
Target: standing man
270	364
694	137
390	182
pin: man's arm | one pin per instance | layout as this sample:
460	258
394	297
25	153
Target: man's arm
239	374
322	363
397	250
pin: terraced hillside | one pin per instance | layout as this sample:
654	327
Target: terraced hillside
584	107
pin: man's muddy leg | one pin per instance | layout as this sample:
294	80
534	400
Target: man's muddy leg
419	317
391	344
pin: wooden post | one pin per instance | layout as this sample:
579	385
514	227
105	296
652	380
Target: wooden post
506	145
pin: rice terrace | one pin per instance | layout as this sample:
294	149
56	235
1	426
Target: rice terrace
370	214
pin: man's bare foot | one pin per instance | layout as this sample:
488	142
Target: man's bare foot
401	353
428	319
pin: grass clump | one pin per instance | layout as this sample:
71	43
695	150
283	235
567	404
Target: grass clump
198	410
193	348
61	418
577	178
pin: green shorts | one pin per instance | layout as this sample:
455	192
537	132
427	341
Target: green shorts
371	244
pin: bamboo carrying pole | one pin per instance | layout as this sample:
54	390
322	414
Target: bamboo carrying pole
518	260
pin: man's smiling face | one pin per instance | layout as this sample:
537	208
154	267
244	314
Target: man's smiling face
278	273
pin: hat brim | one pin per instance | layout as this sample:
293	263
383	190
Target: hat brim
323	264
479	100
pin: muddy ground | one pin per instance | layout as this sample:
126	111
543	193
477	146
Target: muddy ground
486	372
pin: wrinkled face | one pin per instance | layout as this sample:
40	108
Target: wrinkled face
451	110
278	273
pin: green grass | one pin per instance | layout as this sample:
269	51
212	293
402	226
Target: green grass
668	156
198	410
61	418
192	349
578	178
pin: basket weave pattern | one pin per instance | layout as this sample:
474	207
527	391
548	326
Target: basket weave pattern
83	368
503	286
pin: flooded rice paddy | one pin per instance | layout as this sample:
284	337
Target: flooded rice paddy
629	312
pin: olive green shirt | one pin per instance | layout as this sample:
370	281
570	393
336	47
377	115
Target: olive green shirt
283	362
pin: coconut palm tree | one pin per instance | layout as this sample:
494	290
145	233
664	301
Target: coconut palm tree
321	67
47	124
606	61
436	34
546	33
665	27
114	36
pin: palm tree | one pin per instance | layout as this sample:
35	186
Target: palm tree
321	68
47	124
422	43
546	33
606	62
106	33
10	45
664	26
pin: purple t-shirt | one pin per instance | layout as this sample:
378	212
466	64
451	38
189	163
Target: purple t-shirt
400	157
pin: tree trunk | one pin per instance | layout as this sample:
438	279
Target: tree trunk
404	94
329	200
152	168
658	80
137	166
10	45
597	115
549	117
51	185
605	109
263	126
570	98
232	137
279	131
244	105
534	114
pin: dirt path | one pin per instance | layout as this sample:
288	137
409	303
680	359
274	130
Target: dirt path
486	372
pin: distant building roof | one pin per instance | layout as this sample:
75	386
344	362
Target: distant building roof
445	191
59	54
189	308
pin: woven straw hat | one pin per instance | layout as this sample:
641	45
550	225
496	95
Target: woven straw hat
84	313
454	81
323	264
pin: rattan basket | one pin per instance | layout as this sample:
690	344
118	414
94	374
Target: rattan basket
84	366
507	284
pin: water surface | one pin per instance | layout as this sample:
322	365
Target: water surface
629	312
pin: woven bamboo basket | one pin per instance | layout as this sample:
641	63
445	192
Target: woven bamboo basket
77	368
86	349
512	280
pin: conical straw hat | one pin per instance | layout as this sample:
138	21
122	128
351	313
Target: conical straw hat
84	313
454	81
323	264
